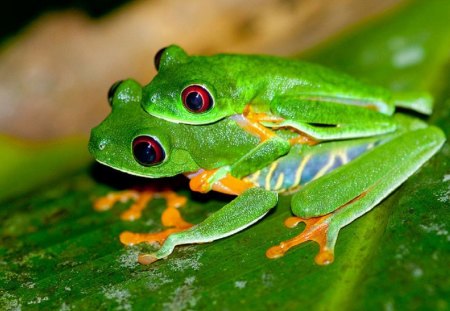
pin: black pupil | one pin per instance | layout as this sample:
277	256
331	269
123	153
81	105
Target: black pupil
194	101
145	153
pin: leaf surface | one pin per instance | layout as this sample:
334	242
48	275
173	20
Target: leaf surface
57	253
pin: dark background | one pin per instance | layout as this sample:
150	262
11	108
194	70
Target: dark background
20	13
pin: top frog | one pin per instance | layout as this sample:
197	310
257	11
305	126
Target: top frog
268	91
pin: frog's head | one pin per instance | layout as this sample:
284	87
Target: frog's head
134	142
189	89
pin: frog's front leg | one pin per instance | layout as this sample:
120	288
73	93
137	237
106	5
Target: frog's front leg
336	199
228	180
239	214
327	120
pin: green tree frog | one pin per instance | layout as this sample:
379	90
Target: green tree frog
272	92
334	182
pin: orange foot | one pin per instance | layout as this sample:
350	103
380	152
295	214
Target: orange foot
316	230
141	199
303	139
251	122
205	180
171	217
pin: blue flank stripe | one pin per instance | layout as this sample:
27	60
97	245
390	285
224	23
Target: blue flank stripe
288	168
289	165
356	151
314	165
261	181
337	162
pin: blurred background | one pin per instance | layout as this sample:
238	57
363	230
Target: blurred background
57	61
59	58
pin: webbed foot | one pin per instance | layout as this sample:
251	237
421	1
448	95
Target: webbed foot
141	200
171	217
317	229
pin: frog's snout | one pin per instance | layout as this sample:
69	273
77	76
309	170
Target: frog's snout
96	143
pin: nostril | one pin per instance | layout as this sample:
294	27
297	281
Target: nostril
155	98
102	144
97	143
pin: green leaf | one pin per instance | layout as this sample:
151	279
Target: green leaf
28	164
56	252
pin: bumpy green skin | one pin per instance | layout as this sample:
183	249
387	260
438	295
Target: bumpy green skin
233	217
345	192
302	93
187	148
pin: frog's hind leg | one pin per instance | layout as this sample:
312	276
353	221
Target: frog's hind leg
335	200
417	101
324	119
323	230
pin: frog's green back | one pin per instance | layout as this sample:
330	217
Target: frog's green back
233	81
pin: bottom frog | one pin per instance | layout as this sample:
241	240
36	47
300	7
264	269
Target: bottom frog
333	183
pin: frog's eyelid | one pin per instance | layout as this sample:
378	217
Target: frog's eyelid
112	91
157	58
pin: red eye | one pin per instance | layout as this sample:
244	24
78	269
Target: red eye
196	99
148	151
